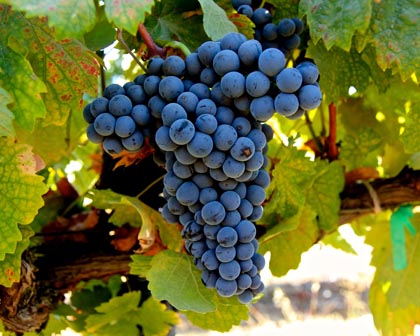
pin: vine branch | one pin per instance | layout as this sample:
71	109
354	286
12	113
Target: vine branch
153	48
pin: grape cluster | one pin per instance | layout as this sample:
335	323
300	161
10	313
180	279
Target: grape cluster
283	36
120	120
206	117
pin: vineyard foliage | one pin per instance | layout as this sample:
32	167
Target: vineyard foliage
57	56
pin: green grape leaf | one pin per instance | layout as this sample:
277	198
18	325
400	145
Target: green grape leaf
21	189
155	319
284	9
400	287
127	209
118	316
140	265
335	22
69	18
411	136
128	14
216	23
395	27
391	322
337	241
287	192
6	116
286	245
167	23
324	193
67	67
102	34
229	312
10	266
361	149
24	86
174	278
340	70
54	142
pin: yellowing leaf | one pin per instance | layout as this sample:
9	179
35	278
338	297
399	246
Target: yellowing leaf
21	193
173	277
10	266
70	18
6	116
155	319
216	23
128	14
286	245
67	67
19	79
336	21
229	312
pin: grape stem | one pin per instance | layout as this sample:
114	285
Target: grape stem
178	45
153	48
120	39
312	131
332	138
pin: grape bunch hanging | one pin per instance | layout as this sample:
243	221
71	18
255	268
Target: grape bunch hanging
205	115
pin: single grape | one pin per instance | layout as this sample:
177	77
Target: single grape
227	236
136	94
270	31
201	90
246	10
163	139
188	101
213	212
181	170
262	108
225	254
154	66
193	64
200	145
156	105
249	52
286	103
310	97
207	195
257	84
87	115
224	137
224	115
242	126
183	156
286	27
206	106
174	66
289	80
233	168
151	85
170	88
120	105
141	114
187	193
172	112
246	231
230	200
233	84
98	106
245	297
124	126
104	124
230	270
209	260
237	3
243	149
113	90
181	131
261	17
226	288
271	61
207	51
215	159
226	61
209	77
255	194
232	41
244	251
112	145
206	123
309	72
93	136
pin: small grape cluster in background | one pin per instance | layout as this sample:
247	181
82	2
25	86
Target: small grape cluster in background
205	115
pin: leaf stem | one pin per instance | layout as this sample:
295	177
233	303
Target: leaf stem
120	39
312	131
150	186
153	48
178	45
332	138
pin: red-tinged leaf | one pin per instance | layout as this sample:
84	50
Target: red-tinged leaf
67	67
70	18
127	14
243	23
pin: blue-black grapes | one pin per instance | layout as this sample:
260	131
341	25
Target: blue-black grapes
206	115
